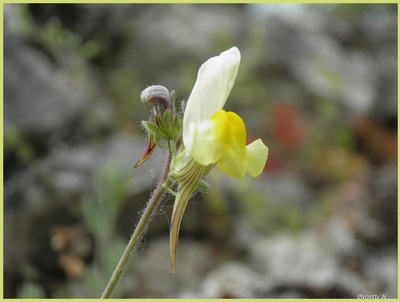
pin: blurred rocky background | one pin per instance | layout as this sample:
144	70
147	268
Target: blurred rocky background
318	83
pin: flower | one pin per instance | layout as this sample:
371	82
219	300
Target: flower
212	136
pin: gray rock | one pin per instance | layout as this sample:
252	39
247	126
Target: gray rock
87	20
153	267
381	269
37	97
168	38
317	63
297	261
233	280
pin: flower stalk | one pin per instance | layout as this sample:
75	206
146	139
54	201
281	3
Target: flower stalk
164	183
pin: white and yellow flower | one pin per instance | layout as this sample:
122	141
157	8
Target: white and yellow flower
212	136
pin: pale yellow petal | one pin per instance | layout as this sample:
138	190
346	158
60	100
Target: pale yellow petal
222	140
257	154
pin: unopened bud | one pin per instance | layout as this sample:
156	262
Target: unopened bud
156	94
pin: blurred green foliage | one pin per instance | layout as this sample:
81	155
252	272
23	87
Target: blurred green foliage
101	213
30	290
66	46
110	191
354	10
15	143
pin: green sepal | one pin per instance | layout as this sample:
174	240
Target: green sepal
167	123
151	127
177	126
202	185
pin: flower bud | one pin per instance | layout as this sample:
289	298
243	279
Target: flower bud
156	94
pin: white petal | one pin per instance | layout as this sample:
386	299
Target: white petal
214	82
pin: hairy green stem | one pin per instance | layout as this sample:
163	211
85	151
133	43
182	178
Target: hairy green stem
164	182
